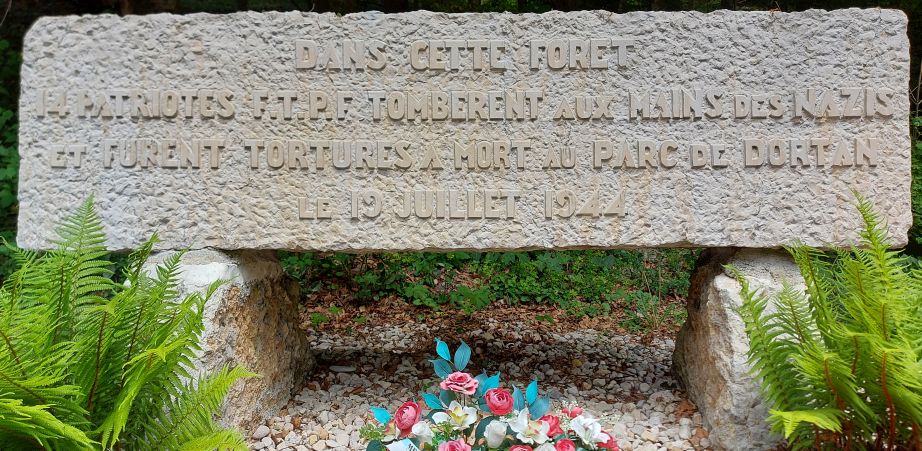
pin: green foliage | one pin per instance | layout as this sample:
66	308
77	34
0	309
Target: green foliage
915	233
9	156
650	313
841	363
584	283
372	432
87	363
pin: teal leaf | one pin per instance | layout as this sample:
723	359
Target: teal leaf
539	408
481	384
462	356
531	393
433	401
381	415
442	367
518	400
442	349
375	445
446	397
482	428
492	382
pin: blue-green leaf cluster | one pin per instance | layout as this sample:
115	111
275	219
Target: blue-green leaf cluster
446	364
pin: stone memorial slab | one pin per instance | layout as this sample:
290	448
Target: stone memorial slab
469	131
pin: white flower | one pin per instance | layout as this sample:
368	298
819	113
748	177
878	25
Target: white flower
458	416
588	430
530	431
423	432
495	433
546	447
403	445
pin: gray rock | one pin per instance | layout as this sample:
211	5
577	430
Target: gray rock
685	431
710	357
261	432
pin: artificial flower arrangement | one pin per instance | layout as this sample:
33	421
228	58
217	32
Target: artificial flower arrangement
477	414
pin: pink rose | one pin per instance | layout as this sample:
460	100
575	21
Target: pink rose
565	445
554	423
608	444
499	401
574	412
519	448
407	415
460	382
455	445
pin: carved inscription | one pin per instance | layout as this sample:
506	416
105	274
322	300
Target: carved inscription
574	134
519	152
626	153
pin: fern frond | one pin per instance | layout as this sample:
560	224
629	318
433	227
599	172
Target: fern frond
221	439
35	425
189	417
828	419
859	385
83	358
769	350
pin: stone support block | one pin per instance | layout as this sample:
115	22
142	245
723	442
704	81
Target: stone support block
710	358
252	320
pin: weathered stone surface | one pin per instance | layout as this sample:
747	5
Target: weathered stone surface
238	207
252	320
710	357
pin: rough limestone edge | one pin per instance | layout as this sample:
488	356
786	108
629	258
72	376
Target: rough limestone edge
44	20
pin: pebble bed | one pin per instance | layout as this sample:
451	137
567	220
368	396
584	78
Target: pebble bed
618	378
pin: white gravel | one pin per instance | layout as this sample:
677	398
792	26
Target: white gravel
617	378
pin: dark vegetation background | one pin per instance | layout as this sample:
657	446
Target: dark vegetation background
643	289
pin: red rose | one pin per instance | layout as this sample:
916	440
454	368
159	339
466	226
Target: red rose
521	448
554	423
574	412
460	382
565	445
608	444
407	415
499	401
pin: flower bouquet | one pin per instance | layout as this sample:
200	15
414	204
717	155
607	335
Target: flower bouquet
476	414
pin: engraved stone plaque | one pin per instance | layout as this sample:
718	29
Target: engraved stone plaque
379	131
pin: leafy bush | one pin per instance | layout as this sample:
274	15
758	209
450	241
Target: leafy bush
585	283
650	313
841	364
86	363
9	157
915	233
